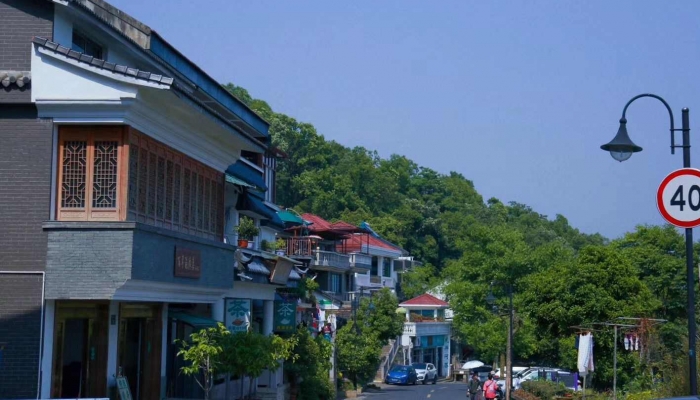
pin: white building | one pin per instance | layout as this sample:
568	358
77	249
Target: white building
426	332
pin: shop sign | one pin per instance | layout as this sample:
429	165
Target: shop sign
237	317
123	388
285	316
188	263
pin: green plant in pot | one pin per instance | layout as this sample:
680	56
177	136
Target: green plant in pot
246	231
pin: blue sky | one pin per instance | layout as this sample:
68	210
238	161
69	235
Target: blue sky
515	95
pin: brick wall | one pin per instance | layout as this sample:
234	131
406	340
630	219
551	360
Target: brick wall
20	20
20	327
91	260
25	186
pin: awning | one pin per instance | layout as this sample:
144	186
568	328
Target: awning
194	320
240	182
248	174
248	202
290	217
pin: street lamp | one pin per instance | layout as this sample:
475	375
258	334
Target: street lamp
621	148
491	300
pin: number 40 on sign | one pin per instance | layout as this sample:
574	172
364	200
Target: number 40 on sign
678	198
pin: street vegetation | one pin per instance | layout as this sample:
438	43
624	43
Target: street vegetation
561	276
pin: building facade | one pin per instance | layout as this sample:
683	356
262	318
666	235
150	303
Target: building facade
123	171
426	332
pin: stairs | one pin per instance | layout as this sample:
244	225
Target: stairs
387	358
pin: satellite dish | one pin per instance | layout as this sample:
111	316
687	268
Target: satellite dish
241	259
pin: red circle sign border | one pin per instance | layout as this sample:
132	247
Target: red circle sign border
659	198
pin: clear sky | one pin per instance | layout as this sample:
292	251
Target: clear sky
515	95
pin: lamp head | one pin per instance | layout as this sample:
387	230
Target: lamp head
490	298
621	147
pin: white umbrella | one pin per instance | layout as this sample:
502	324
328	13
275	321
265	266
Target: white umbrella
472	364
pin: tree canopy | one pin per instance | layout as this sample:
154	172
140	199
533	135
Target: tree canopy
561	277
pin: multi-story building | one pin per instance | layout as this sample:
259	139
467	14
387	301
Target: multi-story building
426	332
123	169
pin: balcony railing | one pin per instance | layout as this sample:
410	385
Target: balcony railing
300	247
331	259
359	260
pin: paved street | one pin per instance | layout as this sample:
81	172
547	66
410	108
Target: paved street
441	391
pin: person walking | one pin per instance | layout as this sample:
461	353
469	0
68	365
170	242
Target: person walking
490	388
473	387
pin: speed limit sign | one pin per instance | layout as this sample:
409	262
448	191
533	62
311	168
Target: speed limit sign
678	198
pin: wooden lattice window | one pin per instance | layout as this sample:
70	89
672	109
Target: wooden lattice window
173	190
90	174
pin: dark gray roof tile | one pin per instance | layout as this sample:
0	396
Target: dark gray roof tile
96	62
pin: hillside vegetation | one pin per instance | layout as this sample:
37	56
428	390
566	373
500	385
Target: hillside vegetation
561	276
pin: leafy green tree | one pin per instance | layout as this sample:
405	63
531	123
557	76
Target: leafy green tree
378	315
308	366
204	352
357	354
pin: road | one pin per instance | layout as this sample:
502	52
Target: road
441	391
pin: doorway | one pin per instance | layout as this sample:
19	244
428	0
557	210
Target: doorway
79	365
139	348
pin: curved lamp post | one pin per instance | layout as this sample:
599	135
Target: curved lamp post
621	148
491	300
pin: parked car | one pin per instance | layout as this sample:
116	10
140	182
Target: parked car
401	374
500	375
534	373
426	372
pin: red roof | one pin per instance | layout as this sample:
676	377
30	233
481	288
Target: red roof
355	243
318	224
425	300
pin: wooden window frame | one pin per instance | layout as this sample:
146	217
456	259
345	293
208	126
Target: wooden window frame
205	185
90	134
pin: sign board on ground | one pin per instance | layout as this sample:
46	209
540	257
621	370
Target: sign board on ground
123	387
678	198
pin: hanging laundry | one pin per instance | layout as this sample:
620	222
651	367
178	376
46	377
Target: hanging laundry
585	354
627	342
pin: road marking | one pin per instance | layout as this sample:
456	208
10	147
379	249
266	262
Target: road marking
428	395
432	391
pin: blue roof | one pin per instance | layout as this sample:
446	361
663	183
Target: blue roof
249	202
166	52
247	173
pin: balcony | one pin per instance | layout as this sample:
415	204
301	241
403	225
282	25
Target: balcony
330	261
374	281
360	262
299	247
426	328
101	260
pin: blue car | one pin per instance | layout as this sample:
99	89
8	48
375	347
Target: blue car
401	375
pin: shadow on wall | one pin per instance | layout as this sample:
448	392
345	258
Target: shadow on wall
19	349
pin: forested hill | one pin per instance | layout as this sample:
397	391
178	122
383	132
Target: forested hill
561	277
433	216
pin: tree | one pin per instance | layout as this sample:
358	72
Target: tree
309	365
358	355
247	354
204	352
380	318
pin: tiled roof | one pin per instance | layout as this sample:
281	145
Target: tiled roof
344	226
102	64
425	300
355	243
318	224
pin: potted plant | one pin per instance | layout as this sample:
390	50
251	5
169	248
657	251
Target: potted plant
280	246
246	231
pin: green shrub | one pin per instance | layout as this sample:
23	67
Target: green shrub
544	390
645	395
